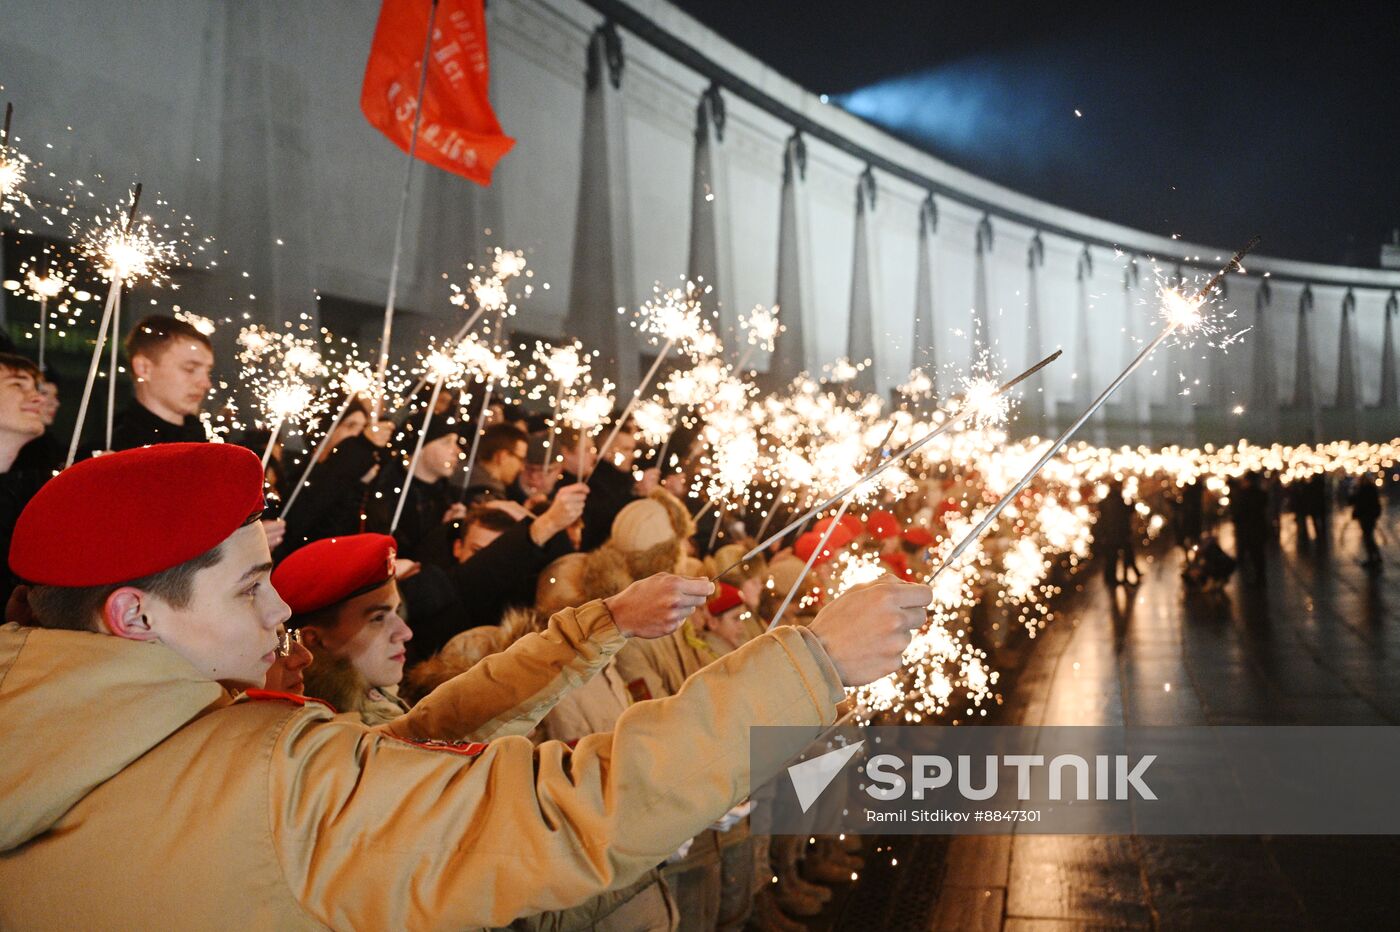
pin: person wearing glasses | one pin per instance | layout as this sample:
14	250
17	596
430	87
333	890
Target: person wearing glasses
500	459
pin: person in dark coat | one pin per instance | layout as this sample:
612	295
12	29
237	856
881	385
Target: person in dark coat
1366	509
21	424
171	368
335	501
611	485
443	601
1189	508
1113	532
500	459
430	504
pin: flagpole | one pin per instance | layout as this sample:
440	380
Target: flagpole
403	216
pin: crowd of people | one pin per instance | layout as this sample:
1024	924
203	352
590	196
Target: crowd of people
527	705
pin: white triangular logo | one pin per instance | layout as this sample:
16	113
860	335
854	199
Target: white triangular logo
811	777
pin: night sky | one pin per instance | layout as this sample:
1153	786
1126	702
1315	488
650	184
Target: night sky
1212	121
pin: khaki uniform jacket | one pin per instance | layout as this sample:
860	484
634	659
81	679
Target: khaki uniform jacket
135	793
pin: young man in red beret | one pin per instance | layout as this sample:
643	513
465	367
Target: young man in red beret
125	762
344	597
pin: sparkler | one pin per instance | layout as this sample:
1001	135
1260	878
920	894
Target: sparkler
567	366
124	255
674	316
586	412
383	371
807	568
354	381
443	367
14	169
1179	313
963	412
761	329
46	286
279	368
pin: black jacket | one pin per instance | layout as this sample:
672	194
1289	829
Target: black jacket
444	601
335	499
138	427
609	491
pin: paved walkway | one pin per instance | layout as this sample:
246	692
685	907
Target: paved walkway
1319	643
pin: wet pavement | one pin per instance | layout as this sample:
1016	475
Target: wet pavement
1317	643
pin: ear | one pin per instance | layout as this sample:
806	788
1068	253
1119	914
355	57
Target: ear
140	367
311	636
123	614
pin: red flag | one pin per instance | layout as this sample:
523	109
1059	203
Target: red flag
459	132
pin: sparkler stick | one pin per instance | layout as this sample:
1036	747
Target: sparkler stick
714	529
632	403
966	412
1176	319
271	442
476	439
116	327
403	217
457	338
777	500
43	326
316	457
5	134
778	616
109	307
417	448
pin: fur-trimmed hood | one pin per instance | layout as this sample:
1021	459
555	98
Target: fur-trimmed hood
336	681
466	650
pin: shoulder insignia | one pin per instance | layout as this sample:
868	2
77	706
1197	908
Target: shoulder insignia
638	689
270	695
465	748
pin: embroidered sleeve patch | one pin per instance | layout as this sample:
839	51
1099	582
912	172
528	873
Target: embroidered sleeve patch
465	748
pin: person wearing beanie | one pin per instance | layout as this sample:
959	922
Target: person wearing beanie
431	502
148	602
21	425
336	500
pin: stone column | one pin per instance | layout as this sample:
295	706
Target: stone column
1033	404
709	258
601	280
924	351
981	336
789	358
860	334
1390	390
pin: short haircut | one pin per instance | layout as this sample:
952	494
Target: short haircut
153	334
21	365
73	608
493	519
500	437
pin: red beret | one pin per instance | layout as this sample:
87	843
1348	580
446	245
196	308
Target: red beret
919	537
332	570
121	516
805	544
727	598
882	524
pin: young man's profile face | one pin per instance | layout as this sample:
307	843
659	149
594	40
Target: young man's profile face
369	634
439	457
21	404
507	464
228	631
178	377
477	537
50	409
